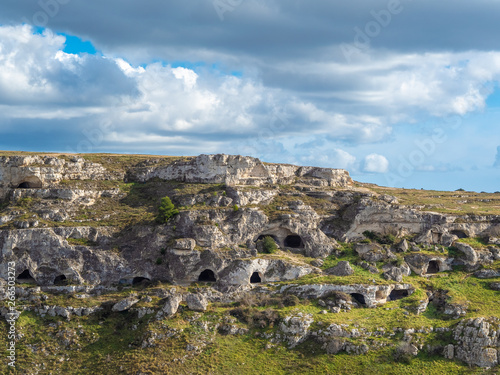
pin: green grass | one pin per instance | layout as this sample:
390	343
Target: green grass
81	242
475	242
452	202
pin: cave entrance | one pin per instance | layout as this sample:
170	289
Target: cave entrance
60	280
433	267
255	278
207	276
25	277
359	298
140	280
294	241
398	294
459	233
32	182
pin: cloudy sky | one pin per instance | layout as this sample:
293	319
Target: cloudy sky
401	93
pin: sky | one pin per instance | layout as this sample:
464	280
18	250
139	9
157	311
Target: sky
401	93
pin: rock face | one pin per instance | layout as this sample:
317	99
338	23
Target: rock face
240	170
366	295
478	341
295	328
37	172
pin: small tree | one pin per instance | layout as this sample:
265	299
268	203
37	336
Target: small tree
166	211
269	245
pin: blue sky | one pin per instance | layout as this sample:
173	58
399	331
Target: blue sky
400	93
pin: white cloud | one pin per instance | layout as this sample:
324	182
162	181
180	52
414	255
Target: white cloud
375	163
39	81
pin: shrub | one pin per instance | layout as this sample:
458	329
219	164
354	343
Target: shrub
254	317
235	208
388	239
269	245
403	353
166	211
370	235
159	261
291	300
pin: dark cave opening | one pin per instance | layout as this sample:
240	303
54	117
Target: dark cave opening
207	276
294	241
255	278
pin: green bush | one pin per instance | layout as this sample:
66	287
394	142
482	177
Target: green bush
166	211
269	245
291	300
235	208
388	239
159	261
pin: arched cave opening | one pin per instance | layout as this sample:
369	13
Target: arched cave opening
60	280
140	280
398	294
459	233
207	276
294	241
433	267
25	276
255	278
359	298
32	182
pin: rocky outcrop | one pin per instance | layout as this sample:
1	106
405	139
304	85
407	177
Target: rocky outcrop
477	341
239	170
295	328
36	172
366	295
423	264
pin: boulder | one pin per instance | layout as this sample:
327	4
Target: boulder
335	346
495	286
455	310
470	254
343	268
394	274
487	274
372	252
124	304
403	246
196	302
449	351
171	305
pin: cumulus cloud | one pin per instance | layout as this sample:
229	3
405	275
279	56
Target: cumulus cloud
40	81
375	163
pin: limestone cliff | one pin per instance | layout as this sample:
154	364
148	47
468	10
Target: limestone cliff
87	224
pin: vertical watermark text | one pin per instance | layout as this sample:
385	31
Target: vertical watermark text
12	315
